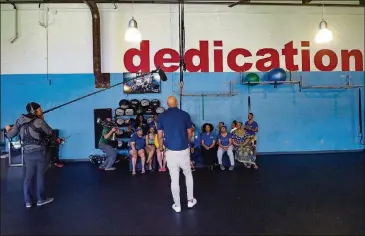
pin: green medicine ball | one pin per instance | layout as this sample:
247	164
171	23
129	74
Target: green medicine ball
252	78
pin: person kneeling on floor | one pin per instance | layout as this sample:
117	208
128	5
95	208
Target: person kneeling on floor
137	145
105	144
225	145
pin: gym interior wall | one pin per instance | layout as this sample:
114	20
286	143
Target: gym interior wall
54	64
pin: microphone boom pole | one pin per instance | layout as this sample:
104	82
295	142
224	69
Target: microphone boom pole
181	47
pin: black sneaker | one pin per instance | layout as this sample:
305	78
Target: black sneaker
43	202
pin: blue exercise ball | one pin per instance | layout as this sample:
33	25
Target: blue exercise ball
277	74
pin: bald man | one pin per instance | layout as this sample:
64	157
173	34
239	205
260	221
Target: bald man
174	132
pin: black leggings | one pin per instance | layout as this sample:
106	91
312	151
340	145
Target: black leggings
209	156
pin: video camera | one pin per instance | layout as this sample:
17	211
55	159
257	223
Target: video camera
106	124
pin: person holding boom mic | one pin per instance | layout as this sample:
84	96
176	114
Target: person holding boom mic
107	137
33	132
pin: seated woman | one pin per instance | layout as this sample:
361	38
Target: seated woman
141	123
225	145
244	146
160	156
137	145
150	146
208	145
194	146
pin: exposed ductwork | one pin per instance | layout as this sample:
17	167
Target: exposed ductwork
102	80
15	37
306	3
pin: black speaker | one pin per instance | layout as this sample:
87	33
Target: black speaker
102	114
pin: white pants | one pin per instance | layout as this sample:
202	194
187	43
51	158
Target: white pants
220	153
176	160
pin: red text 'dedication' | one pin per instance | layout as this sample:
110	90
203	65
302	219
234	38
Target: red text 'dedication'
269	58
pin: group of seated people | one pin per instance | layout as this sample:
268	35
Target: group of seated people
238	143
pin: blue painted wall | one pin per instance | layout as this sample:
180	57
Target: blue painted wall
313	120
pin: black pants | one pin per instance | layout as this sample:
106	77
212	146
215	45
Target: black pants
209	156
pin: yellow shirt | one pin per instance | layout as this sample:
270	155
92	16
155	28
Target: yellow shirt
156	141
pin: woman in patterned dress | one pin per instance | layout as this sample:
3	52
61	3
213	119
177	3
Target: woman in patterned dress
244	147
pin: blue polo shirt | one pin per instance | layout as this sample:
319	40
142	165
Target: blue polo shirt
208	138
224	140
174	123
253	125
140	142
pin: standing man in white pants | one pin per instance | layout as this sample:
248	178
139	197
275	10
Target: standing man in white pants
174	132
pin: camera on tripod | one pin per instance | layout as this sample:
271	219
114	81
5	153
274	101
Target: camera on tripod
106	123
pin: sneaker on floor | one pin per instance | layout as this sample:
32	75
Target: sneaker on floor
111	168
48	200
222	167
192	203
231	168
28	204
176	208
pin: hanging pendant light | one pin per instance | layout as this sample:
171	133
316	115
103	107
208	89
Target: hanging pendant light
132	34
324	35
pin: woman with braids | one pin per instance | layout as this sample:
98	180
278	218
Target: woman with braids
244	145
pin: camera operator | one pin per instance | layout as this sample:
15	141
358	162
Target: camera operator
33	131
105	144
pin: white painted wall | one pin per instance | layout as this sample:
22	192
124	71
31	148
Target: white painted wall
252	27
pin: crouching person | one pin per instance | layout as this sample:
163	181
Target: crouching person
105	144
33	132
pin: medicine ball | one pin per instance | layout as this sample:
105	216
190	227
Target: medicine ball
155	103
139	110
277	74
160	110
127	122
145	103
124	103
129	112
120	122
134	103
149	111
119	112
252	79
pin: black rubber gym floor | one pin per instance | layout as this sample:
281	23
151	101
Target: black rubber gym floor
289	194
